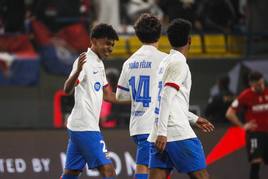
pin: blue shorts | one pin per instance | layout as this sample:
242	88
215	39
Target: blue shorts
185	155
85	147
143	149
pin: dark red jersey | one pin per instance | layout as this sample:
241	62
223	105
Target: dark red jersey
256	107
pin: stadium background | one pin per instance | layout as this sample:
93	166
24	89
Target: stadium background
36	55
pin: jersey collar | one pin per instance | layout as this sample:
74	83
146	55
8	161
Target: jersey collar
172	51
93	54
148	47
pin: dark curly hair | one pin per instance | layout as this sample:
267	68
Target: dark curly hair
178	32
147	28
103	31
254	76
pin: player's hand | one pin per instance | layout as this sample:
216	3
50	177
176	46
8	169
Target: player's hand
204	125
81	61
250	126
160	143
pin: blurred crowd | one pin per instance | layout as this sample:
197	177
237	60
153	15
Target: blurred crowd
206	15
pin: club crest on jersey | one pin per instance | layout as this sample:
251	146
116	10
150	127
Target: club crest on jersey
97	86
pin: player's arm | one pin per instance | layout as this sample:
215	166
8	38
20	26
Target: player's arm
233	118
172	77
110	96
72	80
231	115
122	91
165	105
200	122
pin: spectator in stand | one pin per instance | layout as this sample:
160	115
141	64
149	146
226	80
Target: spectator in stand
217	15
108	12
186	9
12	15
254	101
135	8
219	103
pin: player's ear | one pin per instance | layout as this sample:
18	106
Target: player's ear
93	41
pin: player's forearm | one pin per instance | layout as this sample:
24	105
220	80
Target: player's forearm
111	97
192	117
122	98
233	118
70	83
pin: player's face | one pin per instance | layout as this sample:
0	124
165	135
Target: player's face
103	47
258	86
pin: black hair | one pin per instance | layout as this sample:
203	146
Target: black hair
254	76
148	28
178	32
104	31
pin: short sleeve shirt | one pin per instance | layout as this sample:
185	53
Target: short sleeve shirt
88	94
255	106
138	80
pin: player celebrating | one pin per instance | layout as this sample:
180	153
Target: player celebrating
173	142
254	100
86	145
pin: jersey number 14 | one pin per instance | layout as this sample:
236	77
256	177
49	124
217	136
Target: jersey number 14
141	94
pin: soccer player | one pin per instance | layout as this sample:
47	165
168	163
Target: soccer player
254	101
138	81
173	141
88	80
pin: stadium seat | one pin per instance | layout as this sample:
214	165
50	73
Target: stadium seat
196	45
215	43
163	44
236	44
134	44
121	48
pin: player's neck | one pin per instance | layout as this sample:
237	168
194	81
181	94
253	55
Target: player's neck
155	44
183	50
93	49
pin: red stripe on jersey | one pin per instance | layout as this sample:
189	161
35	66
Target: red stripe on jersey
174	85
77	82
106	85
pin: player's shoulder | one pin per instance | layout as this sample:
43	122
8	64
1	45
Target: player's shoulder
162	54
175	60
176	55
246	93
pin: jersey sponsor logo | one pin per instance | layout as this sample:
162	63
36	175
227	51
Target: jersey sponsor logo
138	113
260	107
97	86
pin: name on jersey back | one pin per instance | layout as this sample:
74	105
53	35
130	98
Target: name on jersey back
142	64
